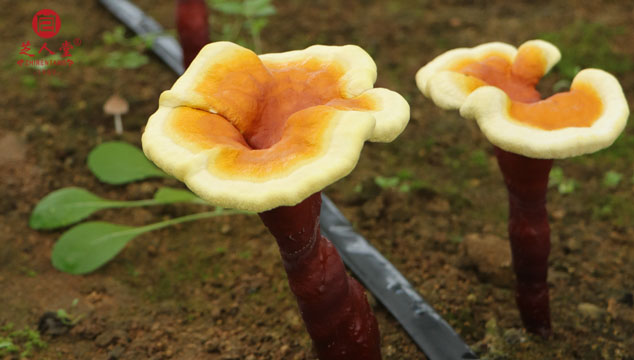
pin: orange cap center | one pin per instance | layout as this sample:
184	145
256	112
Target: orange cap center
285	124
579	107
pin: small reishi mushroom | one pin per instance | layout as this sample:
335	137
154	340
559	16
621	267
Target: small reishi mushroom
116	106
266	134
494	84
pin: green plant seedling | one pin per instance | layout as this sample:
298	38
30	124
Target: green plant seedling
564	185
88	246
125	59
611	179
117	37
19	343
117	162
250	15
70	205
130	58
68	319
403	182
387	182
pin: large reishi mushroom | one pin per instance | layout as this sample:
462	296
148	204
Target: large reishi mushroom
266	134
495	84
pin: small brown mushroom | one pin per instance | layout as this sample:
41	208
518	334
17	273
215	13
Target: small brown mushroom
116	106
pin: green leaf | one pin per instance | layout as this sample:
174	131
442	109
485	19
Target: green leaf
611	179
556	176
386	182
69	205
133	60
88	246
257	8
405	174
120	163
169	195
255	26
562	85
567	186
64	207
116	36
125	60
479	158
29	81
229	7
404	188
6	343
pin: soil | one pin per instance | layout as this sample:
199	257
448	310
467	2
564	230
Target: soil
216	289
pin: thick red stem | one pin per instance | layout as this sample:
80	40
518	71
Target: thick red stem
527	181
193	27
333	305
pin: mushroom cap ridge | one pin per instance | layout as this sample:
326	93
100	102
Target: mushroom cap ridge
220	165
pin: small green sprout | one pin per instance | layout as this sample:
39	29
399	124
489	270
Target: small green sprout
19	343
611	179
403	182
249	15
564	185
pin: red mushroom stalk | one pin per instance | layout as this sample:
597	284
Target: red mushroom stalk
526	180
495	85
267	134
333	304
193	27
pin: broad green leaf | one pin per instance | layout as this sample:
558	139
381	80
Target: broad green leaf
170	195
86	247
64	207
120	163
69	205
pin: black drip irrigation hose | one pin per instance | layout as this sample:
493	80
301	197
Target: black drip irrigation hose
425	326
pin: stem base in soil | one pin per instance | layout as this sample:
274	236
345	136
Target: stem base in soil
526	180
333	305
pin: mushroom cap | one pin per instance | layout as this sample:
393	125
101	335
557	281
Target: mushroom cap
495	85
257	132
115	105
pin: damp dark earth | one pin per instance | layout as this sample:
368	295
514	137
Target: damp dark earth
433	202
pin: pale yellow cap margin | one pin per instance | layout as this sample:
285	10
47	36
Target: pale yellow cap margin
449	89
347	136
489	106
